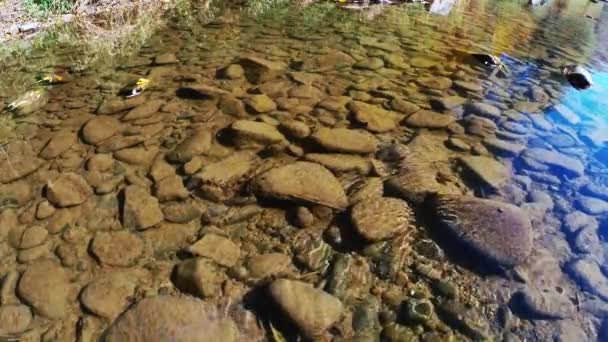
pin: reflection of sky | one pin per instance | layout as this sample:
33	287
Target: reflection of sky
591	104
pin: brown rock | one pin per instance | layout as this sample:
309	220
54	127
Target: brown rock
58	144
100	129
140	210
303	181
67	190
117	249
311	309
45	287
381	218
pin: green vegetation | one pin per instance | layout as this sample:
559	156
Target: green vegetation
41	8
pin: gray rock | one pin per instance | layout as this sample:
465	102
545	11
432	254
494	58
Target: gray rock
596	190
537	304
591	205
576	220
589	275
311	309
566	164
484	110
504	148
499	232
569	330
468	321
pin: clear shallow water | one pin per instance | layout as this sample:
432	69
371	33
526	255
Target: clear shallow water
432	134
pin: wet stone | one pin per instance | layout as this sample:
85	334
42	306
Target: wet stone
504	148
165	58
350	278
233	72
304	217
267	265
108	296
428	119
345	140
576	220
468	86
587	271
44	210
296	129
100	129
488	171
484	110
340	162
458	144
374	118
179	212
21	157
258	70
377	219
464	319
68	189
447	102
199	277
372	63
181	318
217	248
32	237
534	303
591	205
196	144
140	209
45	286
14	319
121	248
499	232
261	104
16	193
170	189
566	164
403	106
303	181
312	310
437	83
144	110
58	144
253	133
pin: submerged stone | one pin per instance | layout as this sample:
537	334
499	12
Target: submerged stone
499	232
311	309
302	181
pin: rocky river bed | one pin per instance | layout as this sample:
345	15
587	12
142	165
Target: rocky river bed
287	177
